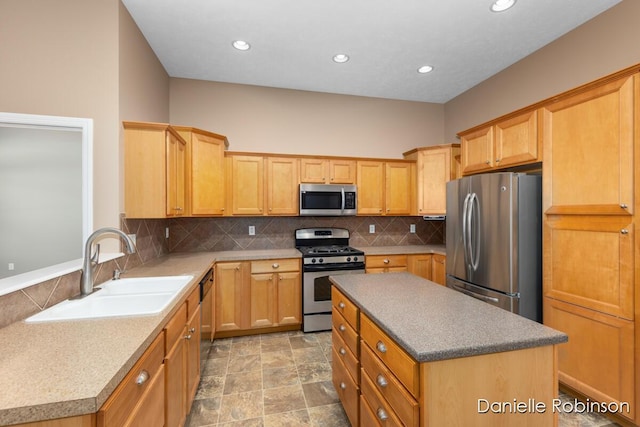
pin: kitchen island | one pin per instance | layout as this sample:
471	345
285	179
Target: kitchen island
409	351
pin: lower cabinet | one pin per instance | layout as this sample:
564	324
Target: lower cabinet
386	263
258	296
138	400
439	269
428	266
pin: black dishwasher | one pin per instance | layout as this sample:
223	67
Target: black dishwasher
205	305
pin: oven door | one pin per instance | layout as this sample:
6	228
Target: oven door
316	289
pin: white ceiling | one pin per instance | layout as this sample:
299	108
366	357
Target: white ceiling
293	41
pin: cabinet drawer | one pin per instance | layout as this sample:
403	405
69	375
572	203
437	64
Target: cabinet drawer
275	265
193	302
345	331
379	261
128	396
388	386
175	327
395	358
345	307
347	357
346	388
382	412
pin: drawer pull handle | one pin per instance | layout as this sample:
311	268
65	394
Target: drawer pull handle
343	351
386	261
187	337
381	347
142	377
343	386
381	380
341	305
624	231
623	206
275	265
382	414
342	328
192	330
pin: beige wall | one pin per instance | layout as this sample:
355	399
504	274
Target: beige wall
606	44
296	122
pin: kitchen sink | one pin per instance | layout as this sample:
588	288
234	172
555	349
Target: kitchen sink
125	297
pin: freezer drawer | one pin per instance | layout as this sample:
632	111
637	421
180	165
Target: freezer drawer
507	302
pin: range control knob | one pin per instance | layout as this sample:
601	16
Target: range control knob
348	259
313	260
355	259
321	260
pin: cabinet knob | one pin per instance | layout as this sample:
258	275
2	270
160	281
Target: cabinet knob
624	231
386	261
488	162
187	337
342	328
624	206
343	351
275	265
341	304
142	377
381	347
192	330
343	386
381	380
382	414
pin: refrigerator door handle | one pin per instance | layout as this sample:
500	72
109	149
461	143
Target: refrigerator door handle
474	255
465	234
474	295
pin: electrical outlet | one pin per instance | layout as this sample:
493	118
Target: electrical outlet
412	228
166	233
11	266
372	228
252	230
133	238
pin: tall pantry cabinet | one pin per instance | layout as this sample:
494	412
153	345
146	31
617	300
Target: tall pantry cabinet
590	196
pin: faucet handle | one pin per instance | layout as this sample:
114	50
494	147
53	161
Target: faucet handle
96	254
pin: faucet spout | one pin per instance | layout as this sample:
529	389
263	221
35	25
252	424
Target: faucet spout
91	260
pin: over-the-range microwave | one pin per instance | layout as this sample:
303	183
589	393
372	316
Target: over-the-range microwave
328	200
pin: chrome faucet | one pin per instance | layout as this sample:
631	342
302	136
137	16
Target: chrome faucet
91	260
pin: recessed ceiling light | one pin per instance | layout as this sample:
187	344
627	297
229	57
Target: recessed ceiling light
502	5
340	58
425	69
241	45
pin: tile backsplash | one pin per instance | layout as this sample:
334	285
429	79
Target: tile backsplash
216	234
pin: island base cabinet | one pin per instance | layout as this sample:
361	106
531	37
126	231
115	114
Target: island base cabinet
348	391
465	391
598	360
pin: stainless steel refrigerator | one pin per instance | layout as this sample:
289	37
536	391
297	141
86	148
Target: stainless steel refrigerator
494	240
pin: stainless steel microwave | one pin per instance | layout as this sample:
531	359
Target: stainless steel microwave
328	200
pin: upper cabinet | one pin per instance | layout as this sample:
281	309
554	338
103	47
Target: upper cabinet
510	142
591	136
435	167
205	171
318	170
154	170
385	188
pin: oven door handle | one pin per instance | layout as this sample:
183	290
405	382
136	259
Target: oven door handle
329	267
343	198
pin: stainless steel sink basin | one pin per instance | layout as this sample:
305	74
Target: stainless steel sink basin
125	297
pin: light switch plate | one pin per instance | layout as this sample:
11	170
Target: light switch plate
372	228
252	230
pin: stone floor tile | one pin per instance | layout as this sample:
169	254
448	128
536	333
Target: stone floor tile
283	399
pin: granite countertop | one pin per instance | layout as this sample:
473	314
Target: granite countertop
66	368
406	249
432	322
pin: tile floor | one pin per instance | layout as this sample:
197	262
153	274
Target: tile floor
284	379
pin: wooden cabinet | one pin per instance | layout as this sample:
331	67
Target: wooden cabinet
512	141
589	262
251	176
205	171
386	263
320	170
154	171
385	188
193	346
439	269
258	296
435	166
139	398
420	265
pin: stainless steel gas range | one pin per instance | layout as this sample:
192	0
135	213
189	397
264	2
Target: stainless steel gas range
325	252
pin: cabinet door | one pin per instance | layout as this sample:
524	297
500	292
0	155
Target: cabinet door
439	269
230	295
342	171
314	170
399	188
590	136
434	171
176	164
247	185
289	298
371	186
207	175
517	140
263	300
590	263
193	357
282	186
477	151
420	265
175	365
598	359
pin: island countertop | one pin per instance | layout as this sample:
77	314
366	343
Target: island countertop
432	322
